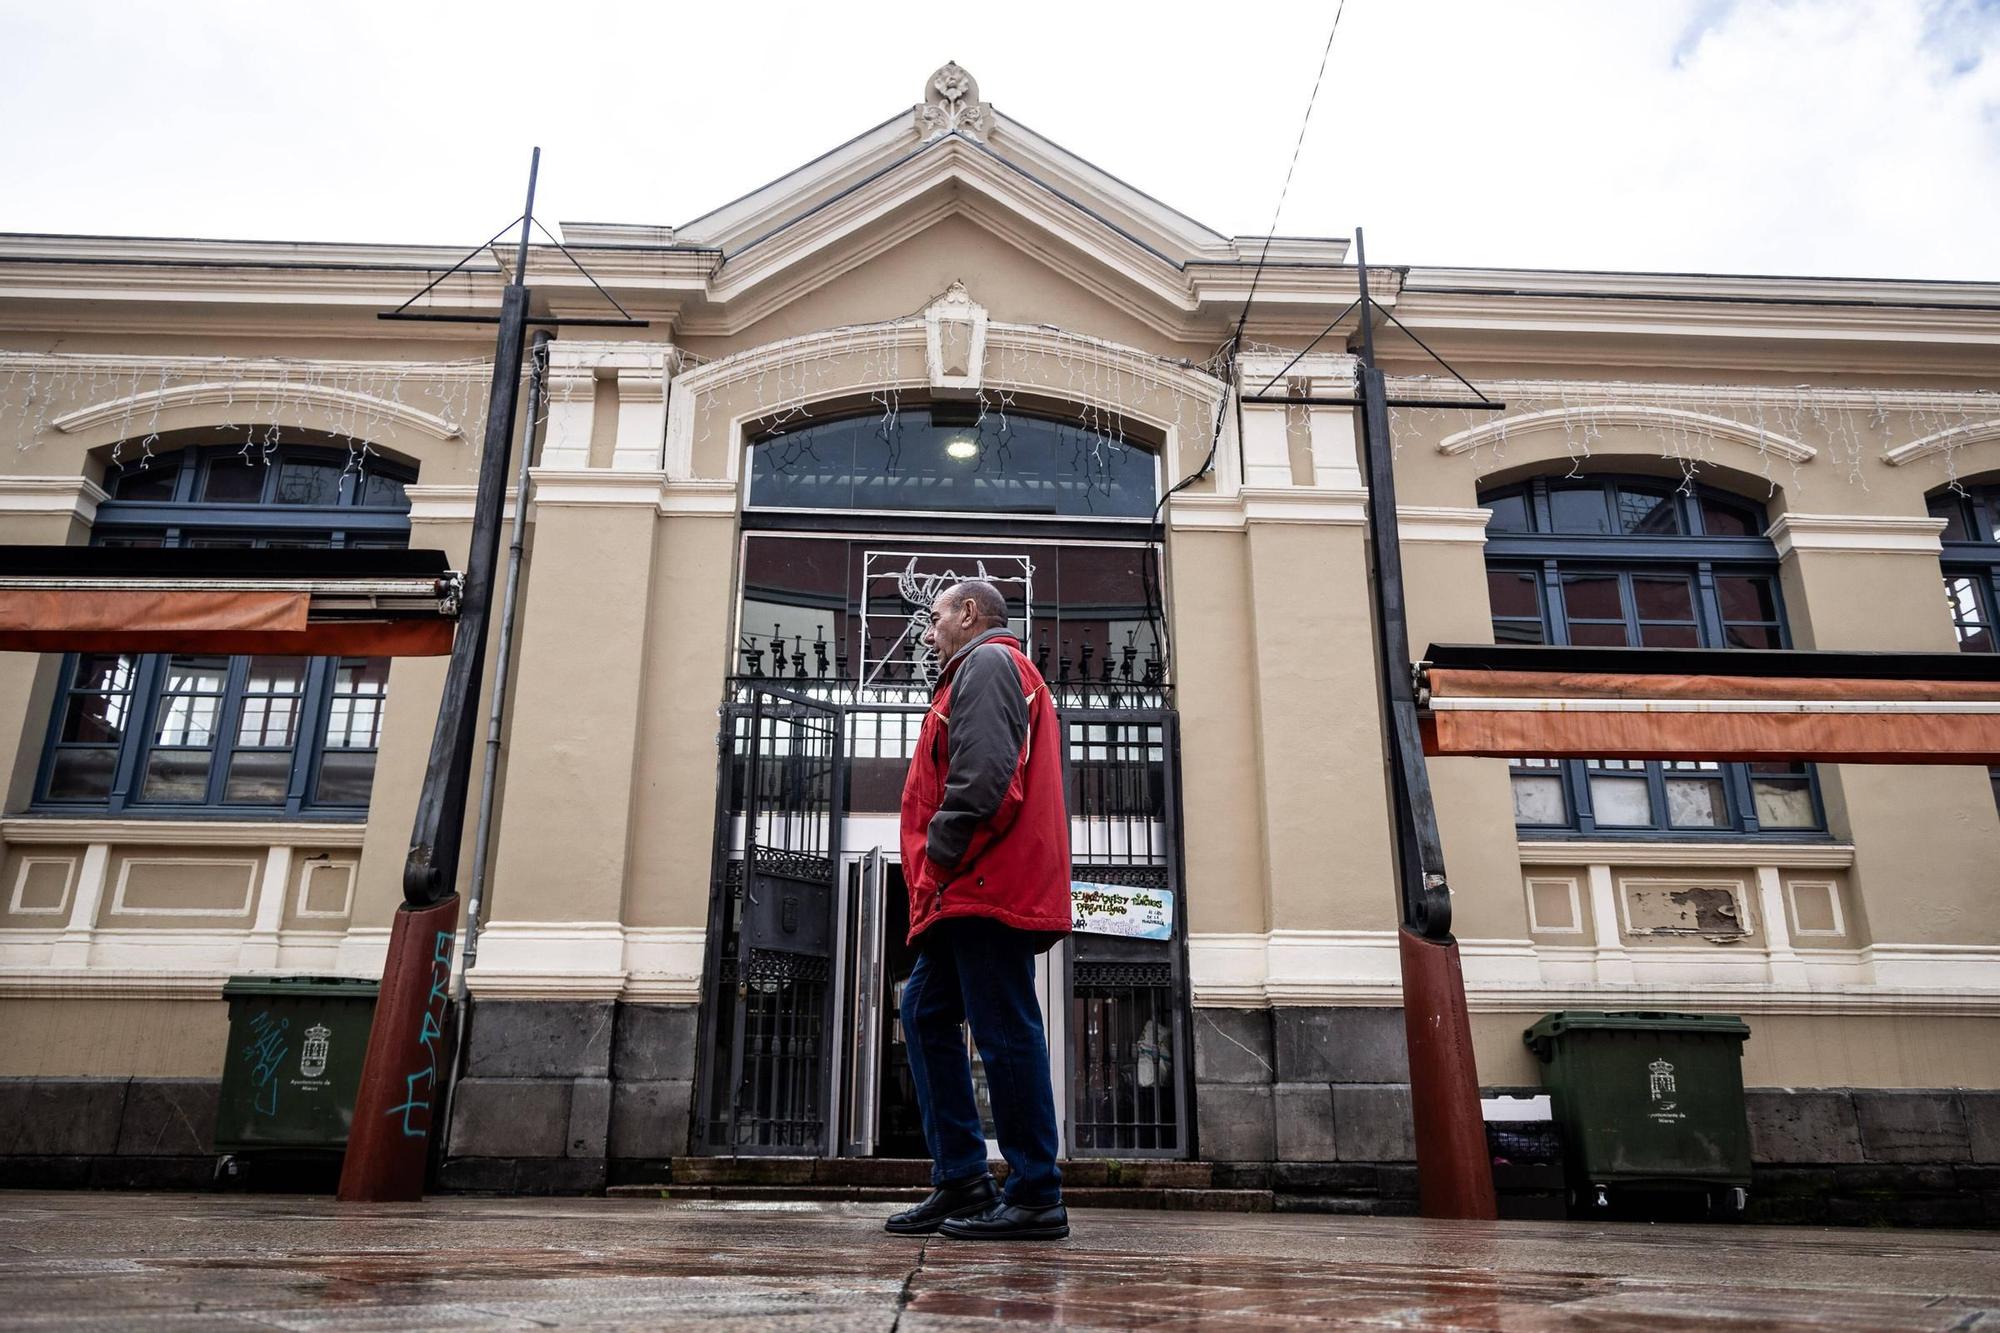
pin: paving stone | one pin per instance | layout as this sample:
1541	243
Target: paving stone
61	1117
1802	1126
1240	1175
1371	1122
1912	1125
1235	1122
45	1173
649	1119
1322	1178
152	1173
478	1175
540	1039
654	1042
589	1118
1233	1046
166	1117
558	1175
1319	1044
1303	1116
1982	1123
510	1117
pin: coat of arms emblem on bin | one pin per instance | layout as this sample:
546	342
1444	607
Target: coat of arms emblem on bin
313	1055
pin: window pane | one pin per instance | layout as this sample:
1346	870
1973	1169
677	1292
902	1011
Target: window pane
1592	597
1621	802
82	774
1513	594
380	492
1669	636
1754	636
1971	618
1723	520
258	777
1510	513
270	701
345	777
303	483
177	775
1743	597
139	481
1539	799
1518	631
1588	635
235	480
1659	598
1783	804
1648	513
355	719
1952	510
1579	508
1696	802
191	700
100	699
210	543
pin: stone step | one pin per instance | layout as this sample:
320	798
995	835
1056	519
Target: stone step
894	1172
1087	1196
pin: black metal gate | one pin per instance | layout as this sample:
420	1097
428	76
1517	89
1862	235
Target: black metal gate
767	1012
1129	1044
767	1023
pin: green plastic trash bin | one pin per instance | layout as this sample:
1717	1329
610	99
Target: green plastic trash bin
1647	1102
294	1061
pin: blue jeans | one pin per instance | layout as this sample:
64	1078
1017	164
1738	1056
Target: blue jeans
975	969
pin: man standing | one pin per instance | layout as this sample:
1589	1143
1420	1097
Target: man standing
985	844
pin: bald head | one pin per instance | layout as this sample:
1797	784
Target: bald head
961	613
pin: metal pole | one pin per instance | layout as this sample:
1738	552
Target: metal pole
1454	1170
482	835
393	1117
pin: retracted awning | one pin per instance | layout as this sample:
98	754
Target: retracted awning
1509	700
308	601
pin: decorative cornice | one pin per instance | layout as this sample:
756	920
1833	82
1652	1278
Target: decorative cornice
453	503
700	498
74	496
1442	524
1943	441
1269	504
595	487
250	394
26	830
1647	415
1785	855
1868	534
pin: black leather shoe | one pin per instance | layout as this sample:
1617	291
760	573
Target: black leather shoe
1005	1221
946	1201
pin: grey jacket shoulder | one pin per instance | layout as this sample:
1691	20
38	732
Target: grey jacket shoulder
988	727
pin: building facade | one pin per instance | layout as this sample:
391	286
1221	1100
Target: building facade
948	347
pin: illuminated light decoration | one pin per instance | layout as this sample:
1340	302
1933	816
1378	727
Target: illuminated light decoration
962	447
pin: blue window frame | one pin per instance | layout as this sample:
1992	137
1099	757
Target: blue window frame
1972	570
1616	561
268	735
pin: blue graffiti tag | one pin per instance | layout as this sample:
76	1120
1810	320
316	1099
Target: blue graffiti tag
266	1051
420	1083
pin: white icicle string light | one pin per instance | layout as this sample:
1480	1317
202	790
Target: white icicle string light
263	397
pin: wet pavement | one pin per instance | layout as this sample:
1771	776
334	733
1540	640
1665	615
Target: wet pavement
134	1261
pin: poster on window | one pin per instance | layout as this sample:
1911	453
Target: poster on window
1120	909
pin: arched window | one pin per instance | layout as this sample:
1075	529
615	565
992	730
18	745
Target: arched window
957	458
1629	562
1972	569
252	735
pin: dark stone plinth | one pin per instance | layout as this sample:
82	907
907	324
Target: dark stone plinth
1303	1116
167	1117
649	1119
1236	1122
540	1039
654	1042
1371	1122
61	1117
510	1117
1339	1045
1802	1125
1912	1125
1233	1046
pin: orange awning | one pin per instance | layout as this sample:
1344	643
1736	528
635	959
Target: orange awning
363	603
1907	708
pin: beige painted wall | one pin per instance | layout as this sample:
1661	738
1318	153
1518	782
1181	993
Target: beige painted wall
76	1037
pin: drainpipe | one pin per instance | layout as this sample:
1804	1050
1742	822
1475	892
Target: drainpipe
482	839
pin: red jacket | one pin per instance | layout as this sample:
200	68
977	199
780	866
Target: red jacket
984	830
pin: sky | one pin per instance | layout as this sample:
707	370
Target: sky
1820	137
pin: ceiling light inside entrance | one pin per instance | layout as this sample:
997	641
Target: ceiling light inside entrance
962	447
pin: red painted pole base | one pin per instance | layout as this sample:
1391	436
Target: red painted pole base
1454	1168
402	1078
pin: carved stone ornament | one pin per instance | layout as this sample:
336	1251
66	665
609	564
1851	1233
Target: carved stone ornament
952	106
955	340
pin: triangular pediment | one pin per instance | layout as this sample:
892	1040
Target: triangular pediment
955	154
